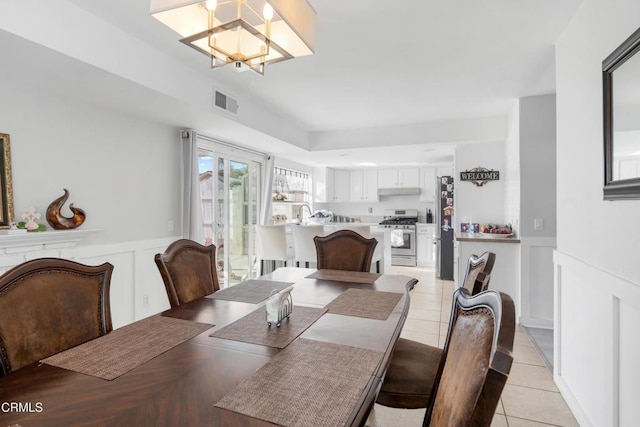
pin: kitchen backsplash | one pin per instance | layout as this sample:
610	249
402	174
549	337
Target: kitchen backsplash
373	212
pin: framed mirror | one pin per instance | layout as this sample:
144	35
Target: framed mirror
621	96
6	184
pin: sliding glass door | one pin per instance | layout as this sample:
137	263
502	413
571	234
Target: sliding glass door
229	184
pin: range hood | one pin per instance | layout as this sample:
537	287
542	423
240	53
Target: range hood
404	191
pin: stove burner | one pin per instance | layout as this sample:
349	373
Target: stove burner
399	222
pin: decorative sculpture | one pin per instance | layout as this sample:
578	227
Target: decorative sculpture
59	222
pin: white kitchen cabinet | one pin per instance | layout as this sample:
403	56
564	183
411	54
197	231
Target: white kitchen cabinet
341	185
427	184
363	185
399	178
425	249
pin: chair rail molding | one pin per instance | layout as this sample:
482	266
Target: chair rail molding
17	248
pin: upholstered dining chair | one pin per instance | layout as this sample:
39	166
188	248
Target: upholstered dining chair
345	250
478	274
303	246
413	367
272	245
476	360
188	270
48	305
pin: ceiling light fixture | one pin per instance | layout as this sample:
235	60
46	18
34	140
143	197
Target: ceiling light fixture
247	34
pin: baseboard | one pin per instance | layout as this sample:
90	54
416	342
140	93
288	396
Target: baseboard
572	402
536	323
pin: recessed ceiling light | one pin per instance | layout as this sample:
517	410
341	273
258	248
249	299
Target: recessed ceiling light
369	164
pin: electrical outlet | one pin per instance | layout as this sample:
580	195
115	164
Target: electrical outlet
145	300
370	210
538	223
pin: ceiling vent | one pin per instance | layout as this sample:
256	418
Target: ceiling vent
225	102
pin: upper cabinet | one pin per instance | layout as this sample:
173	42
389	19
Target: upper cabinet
341	186
427	184
399	178
363	185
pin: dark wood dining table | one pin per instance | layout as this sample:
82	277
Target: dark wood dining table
180	386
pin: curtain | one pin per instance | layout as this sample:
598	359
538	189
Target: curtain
265	217
191	204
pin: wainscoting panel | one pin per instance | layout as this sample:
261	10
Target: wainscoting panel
597	315
537	281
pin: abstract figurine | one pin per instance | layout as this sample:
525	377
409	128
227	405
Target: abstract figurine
59	222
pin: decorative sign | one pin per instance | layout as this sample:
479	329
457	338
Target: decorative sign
479	176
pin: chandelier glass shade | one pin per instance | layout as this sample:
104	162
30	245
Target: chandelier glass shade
246	33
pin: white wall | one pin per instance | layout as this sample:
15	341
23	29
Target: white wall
122	171
537	165
483	204
597	281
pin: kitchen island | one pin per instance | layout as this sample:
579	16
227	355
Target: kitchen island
382	252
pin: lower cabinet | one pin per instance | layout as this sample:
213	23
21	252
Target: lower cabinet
425	248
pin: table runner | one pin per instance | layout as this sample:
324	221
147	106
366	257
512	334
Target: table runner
310	383
251	291
365	303
345	276
124	349
253	328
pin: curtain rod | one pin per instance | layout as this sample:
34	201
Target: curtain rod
231	145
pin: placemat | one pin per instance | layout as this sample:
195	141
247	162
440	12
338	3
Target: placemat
253	328
365	303
345	276
126	348
310	383
252	291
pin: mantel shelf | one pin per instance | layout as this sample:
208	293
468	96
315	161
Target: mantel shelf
45	237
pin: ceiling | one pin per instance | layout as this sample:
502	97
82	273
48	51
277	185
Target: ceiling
387	64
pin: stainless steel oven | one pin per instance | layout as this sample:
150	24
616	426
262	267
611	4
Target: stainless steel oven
402	223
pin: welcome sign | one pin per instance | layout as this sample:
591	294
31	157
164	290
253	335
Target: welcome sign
479	176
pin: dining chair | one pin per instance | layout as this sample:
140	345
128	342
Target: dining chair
478	274
272	245
344	250
48	305
413	367
365	231
477	359
188	270
304	247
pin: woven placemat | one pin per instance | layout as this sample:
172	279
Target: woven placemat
345	276
126	348
310	383
252	291
365	303
253	328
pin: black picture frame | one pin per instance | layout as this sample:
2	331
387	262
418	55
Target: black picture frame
622	188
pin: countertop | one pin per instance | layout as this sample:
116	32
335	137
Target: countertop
485	237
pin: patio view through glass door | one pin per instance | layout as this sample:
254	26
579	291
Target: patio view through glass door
230	199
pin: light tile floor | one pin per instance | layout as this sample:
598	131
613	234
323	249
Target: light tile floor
530	397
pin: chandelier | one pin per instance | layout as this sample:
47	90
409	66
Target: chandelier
247	34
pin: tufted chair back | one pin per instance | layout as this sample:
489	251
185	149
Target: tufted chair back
48	305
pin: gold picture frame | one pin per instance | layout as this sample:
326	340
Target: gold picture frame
6	183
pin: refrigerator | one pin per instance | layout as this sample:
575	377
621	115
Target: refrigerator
444	227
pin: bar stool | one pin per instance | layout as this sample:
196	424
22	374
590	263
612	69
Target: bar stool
272	245
303	245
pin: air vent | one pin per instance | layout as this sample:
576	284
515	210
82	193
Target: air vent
225	102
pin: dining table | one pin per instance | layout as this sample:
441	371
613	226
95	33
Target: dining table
214	361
